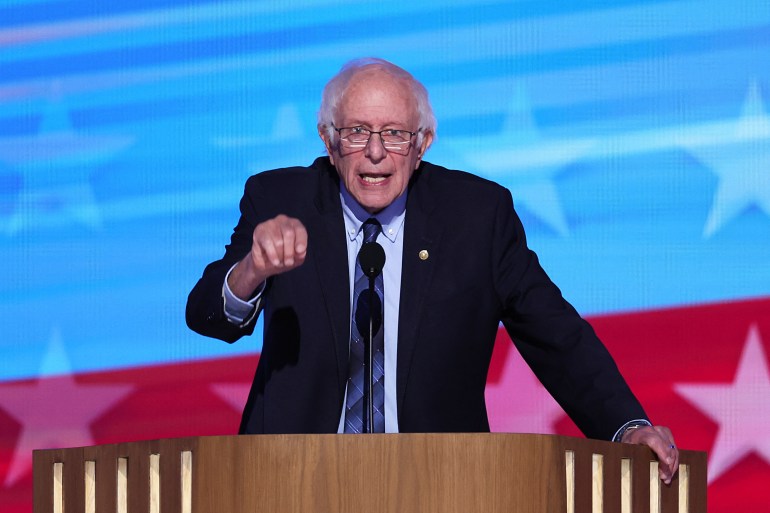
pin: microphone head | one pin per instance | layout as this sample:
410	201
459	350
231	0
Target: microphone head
372	259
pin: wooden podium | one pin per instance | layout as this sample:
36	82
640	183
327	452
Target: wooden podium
404	473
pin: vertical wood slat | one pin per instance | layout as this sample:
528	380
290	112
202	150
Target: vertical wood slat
187	470
626	489
654	488
121	479
597	483
684	488
58	487
154	462
569	469
90	486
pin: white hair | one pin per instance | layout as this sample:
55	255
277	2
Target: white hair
336	87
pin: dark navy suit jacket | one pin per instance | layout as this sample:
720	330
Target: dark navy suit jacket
479	272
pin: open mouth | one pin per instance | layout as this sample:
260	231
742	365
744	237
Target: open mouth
374	179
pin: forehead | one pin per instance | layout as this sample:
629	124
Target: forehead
377	97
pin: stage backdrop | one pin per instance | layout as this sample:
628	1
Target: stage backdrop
634	136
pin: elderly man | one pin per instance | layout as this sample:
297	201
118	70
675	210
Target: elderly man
457	264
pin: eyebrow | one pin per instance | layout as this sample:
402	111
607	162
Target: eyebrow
390	124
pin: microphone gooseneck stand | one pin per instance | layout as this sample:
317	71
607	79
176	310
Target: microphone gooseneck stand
369	363
372	259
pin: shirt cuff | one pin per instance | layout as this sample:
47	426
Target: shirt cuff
631	424
238	311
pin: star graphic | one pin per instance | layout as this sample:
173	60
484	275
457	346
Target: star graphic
268	151
56	165
54	411
287	126
741	161
520	158
741	408
518	403
234	394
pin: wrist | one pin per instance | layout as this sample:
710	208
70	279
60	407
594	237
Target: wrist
629	426
244	279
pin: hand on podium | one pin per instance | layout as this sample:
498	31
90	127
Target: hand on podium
661	441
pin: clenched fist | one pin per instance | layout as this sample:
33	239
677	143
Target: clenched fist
278	245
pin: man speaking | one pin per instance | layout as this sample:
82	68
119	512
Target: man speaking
456	264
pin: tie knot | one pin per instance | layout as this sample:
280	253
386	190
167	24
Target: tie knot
372	229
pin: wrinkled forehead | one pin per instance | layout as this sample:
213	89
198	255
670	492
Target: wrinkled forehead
375	88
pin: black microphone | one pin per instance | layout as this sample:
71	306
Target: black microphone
372	259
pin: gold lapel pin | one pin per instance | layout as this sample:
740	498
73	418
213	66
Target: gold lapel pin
423	254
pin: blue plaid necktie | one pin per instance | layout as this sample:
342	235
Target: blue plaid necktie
359	331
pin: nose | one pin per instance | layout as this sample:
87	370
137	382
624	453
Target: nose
375	151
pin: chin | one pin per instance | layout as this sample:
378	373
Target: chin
373	204
373	209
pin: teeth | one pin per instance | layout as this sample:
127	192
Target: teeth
373	179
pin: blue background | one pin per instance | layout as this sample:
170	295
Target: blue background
633	135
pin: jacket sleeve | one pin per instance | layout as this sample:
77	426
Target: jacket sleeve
556	342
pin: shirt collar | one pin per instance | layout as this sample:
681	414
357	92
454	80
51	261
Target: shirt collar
391	217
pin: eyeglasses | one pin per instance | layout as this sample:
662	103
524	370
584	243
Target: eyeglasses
392	139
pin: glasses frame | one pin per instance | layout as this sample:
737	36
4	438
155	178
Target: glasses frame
389	146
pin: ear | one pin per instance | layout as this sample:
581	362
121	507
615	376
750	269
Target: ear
427	140
323	133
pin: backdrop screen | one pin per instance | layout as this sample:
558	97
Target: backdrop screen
633	135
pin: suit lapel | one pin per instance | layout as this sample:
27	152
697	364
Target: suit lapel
421	238
331	260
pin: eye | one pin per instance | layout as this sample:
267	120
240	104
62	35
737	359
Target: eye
358	130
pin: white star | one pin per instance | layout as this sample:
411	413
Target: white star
234	394
522	160
742	408
262	150
54	411
741	161
518	403
56	164
287	127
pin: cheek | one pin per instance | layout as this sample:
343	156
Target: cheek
409	169
343	169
